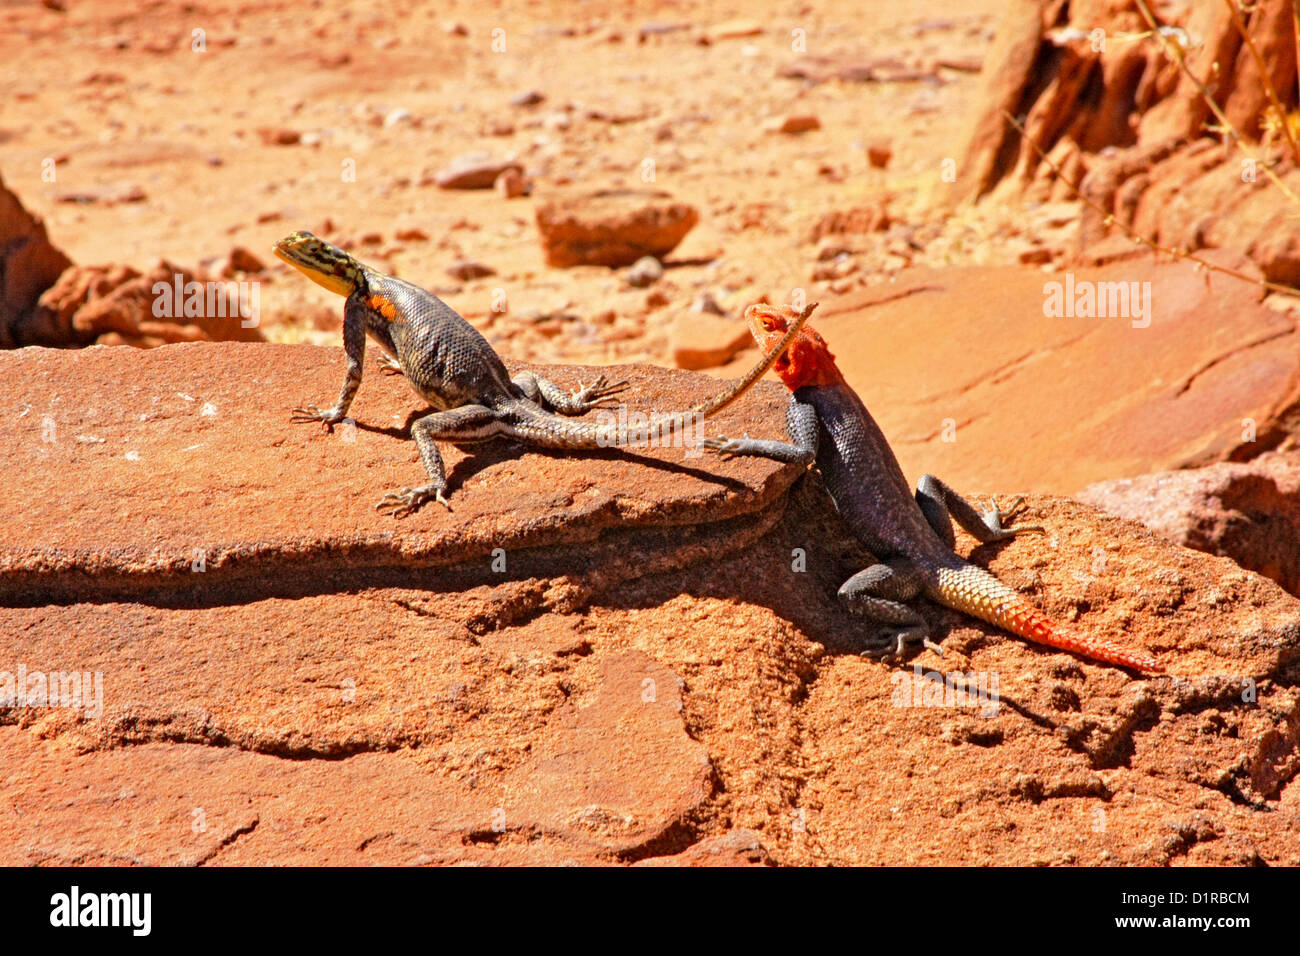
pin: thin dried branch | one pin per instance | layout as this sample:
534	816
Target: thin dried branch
1110	220
1265	79
1175	53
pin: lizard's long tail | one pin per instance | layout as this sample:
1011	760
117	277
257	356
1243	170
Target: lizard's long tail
979	594
566	433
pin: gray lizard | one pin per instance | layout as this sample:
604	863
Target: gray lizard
452	367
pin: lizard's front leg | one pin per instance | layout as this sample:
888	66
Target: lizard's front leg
582	399
800	422
464	425
354	344
940	505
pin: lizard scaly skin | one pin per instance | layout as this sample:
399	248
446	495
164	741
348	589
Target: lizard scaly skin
452	367
912	535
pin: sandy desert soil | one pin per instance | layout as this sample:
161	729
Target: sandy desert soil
126	108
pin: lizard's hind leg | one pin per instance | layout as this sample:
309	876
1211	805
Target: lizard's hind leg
879	592
465	425
582	399
941	505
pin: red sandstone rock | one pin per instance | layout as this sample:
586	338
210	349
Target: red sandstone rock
116	305
1016	400
697	340
646	680
1247	511
29	265
1132	127
612	227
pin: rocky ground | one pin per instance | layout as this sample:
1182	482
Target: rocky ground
615	658
341	121
588	660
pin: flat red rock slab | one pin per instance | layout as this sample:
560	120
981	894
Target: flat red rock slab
615	777
178	468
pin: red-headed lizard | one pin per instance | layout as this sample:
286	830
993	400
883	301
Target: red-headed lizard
912	536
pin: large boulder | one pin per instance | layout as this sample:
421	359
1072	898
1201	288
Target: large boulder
1247	511
1106	108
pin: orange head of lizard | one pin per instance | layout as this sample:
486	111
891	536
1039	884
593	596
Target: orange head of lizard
807	360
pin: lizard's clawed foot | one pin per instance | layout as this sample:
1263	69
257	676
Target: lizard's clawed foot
310	413
389	365
722	445
995	517
893	650
931	645
595	394
399	504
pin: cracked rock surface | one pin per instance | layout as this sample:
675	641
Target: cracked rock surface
657	674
